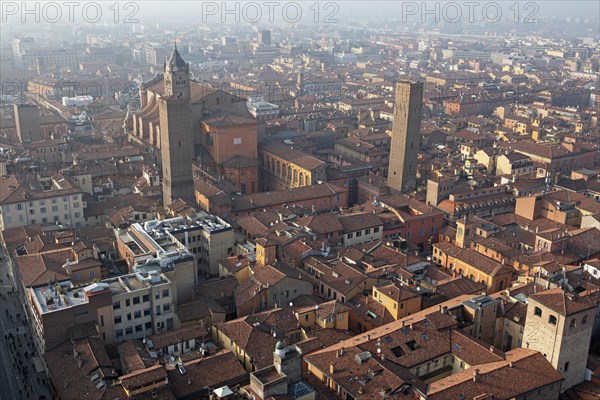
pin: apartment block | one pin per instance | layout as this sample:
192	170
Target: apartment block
52	200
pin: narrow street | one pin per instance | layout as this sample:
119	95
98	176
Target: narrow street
21	373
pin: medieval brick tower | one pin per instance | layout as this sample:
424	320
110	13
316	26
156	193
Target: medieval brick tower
176	142
402	171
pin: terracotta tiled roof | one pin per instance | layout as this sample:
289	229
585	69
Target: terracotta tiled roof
564	303
526	370
38	269
214	371
292	155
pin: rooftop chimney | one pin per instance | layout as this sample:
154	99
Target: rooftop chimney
475	375
331	368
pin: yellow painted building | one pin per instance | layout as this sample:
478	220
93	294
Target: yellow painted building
398	300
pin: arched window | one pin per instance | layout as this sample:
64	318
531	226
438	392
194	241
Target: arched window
537	312
552	320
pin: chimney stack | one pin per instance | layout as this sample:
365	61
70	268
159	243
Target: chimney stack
331	368
475	375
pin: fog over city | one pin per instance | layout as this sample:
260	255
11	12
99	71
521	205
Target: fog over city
300	200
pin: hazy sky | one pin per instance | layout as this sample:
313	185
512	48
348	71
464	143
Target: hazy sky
182	15
360	8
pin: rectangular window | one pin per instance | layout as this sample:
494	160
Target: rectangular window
367	231
119	332
136	300
138	328
237	140
145	298
127	302
148	325
358	234
147	312
166	307
157	295
128	316
116	305
128	331
137	314
118	319
165	293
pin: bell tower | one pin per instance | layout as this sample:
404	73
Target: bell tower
176	138
177	76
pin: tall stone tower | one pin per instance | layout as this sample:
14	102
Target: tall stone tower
176	142
402	171
559	325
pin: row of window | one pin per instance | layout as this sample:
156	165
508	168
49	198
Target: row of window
138	314
19	206
553	320
129	330
359	233
136	300
55	209
44	220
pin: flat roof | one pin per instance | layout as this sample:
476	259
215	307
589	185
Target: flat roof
59	296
